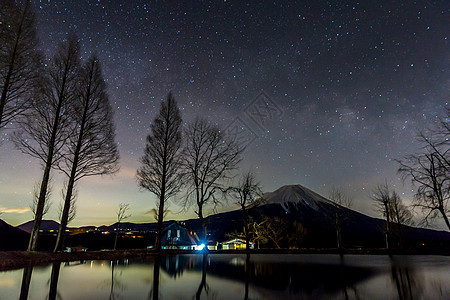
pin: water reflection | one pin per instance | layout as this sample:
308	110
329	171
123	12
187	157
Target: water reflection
203	285
156	268
406	280
53	291
25	286
116	286
243	276
247	275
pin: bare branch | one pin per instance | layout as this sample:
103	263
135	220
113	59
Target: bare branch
35	201
210	157
20	60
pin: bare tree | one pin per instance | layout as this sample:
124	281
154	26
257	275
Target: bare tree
273	229
259	234
400	213
91	149
341	202
429	171
160	171
44	131
247	194
19	58
381	197
437	140
210	155
122	214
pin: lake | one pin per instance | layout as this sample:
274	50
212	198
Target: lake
236	276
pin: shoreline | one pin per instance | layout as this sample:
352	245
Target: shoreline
12	260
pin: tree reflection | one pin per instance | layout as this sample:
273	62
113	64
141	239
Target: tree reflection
203	284
406	280
53	290
247	275
154	293
26	280
347	285
115	284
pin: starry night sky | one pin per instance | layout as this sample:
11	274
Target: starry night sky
351	83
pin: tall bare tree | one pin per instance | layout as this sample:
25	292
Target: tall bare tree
429	171
160	171
247	194
382	199
210	156
44	131
122	215
341	201
19	58
91	149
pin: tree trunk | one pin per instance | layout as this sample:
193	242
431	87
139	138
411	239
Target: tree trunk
32	246
160	223
203	222
64	217
73	173
246	229
117	235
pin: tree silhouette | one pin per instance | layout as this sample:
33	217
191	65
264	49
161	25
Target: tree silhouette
121	216
429	170
382	198
247	194
160	171
44	131
209	155
341	202
19	58
91	149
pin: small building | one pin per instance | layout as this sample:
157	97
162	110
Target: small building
178	236
236	244
75	249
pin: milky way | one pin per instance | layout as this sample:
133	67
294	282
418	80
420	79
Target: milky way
341	88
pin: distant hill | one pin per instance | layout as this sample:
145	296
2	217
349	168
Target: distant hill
296	203
12	238
316	214
46	226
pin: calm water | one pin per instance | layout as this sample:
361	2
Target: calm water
236	277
